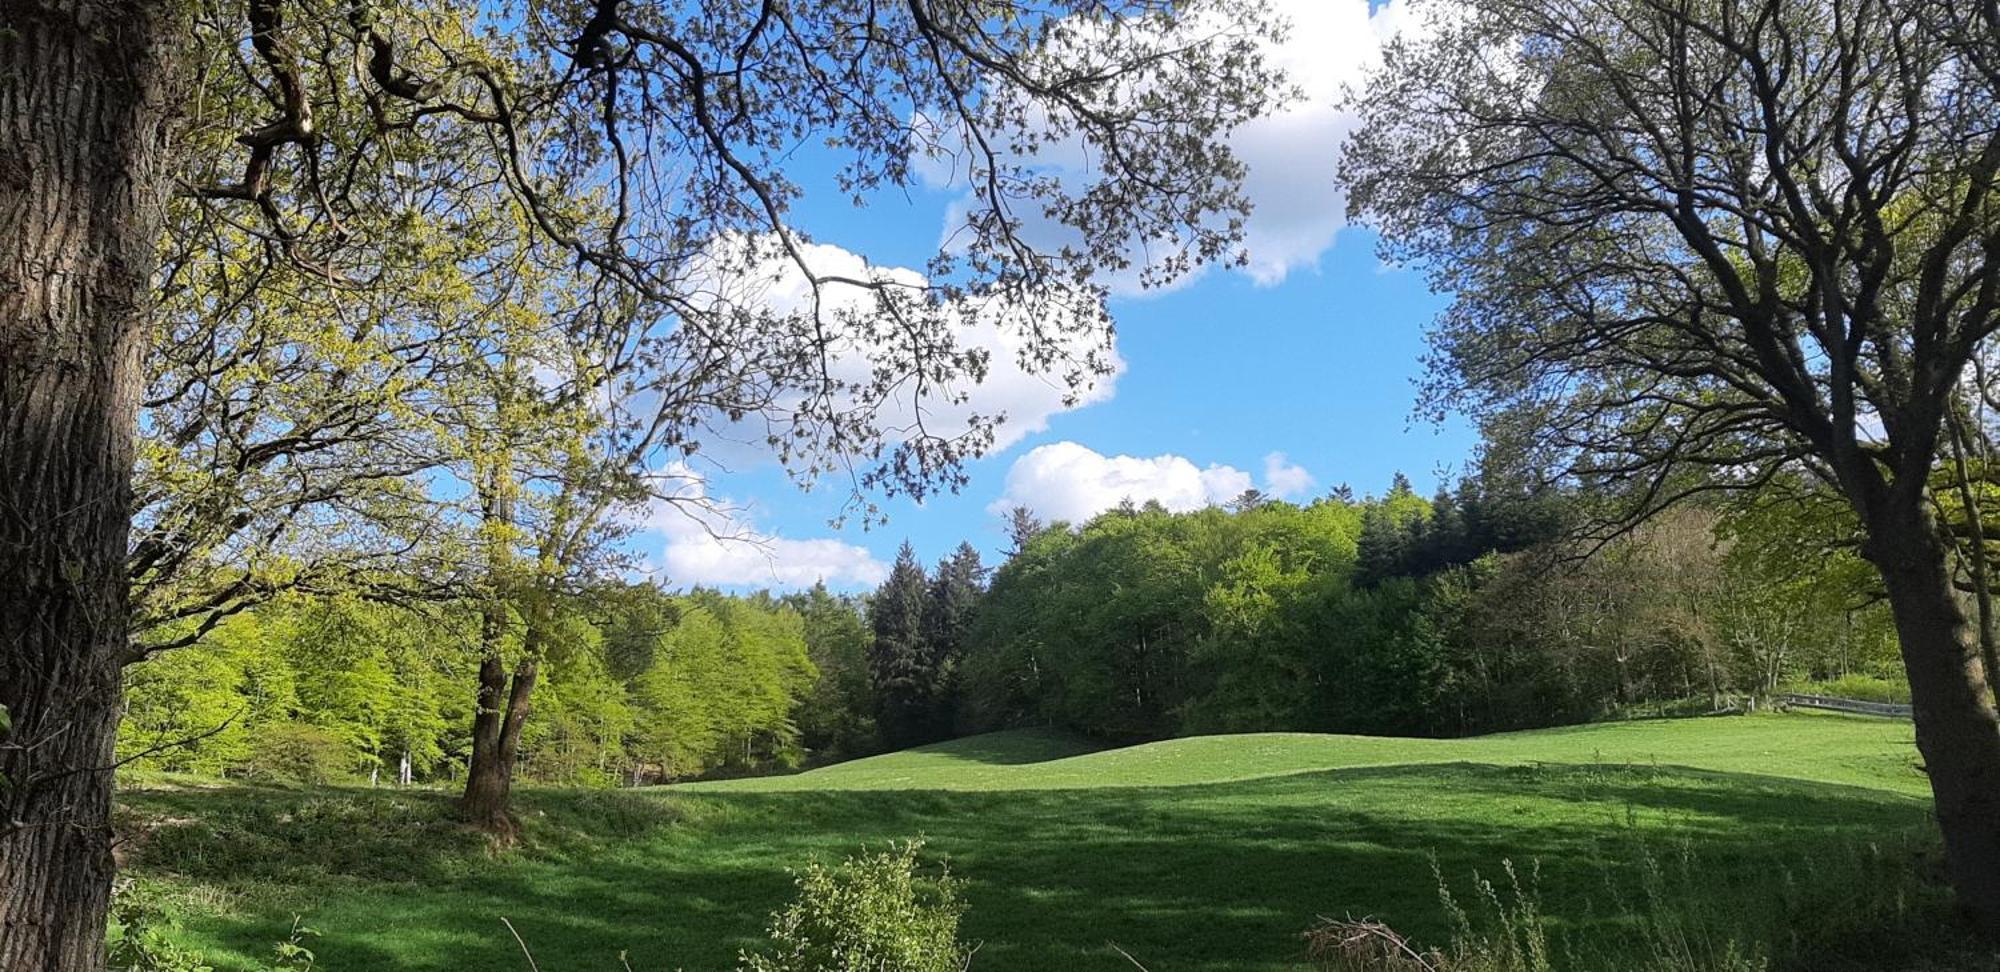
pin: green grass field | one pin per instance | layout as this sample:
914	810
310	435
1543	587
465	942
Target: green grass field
1209	853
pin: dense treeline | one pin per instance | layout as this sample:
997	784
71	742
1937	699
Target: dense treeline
639	685
1464	613
1475	610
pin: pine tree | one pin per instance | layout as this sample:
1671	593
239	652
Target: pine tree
1246	501
1446	543
896	661
948	609
1022	525
1383	548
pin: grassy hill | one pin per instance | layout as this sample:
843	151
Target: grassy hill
1210	853
1801	746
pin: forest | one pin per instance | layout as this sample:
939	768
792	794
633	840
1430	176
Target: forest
1473	611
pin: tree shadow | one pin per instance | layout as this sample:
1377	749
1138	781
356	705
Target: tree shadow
1014	747
1215	877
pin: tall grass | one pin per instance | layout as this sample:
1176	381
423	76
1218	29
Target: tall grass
1865	910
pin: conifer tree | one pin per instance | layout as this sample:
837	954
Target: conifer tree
948	610
896	661
1382	545
1022	525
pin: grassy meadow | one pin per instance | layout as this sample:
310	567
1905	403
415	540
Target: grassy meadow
1208	853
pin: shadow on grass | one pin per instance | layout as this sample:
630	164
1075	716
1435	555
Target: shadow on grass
1015	747
1220	877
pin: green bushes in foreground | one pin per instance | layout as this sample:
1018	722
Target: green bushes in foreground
893	912
875	913
140	936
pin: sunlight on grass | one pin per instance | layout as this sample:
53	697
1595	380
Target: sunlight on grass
1061	854
1807	746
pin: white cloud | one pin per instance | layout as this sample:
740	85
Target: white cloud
1285	479
711	542
1070	482
770	561
1022	393
1292	154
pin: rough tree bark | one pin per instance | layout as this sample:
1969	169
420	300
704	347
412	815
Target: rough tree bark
496	744
82	177
503	702
1958	732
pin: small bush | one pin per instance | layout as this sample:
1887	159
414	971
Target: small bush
874	913
292	752
139	937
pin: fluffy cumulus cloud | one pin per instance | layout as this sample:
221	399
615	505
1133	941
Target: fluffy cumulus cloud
1292	154
1071	482
1021	388
711	542
1286	479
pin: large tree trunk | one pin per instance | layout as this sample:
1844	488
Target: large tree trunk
503	704
496	744
1957	729
82	176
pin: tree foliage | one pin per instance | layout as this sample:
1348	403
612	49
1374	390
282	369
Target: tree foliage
1712	246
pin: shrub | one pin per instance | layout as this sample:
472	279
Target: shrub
874	913
139	936
297	753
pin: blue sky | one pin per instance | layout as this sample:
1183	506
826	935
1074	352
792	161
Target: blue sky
1292	376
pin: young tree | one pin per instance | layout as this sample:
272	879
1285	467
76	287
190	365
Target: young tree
547	465
1700	246
679	117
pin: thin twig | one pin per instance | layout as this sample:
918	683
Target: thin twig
1128	957
524	945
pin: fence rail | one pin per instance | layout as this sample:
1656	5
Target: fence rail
1889	710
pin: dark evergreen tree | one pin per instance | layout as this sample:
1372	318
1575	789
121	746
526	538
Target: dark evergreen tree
1445	542
1247	500
1383	546
954	595
1022	525
897	661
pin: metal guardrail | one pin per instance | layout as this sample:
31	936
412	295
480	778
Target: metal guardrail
1889	710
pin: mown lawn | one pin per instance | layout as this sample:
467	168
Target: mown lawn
1198	854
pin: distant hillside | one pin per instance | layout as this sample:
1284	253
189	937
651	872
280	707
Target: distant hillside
1819	748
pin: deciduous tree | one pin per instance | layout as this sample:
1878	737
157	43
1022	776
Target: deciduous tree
679	118
1699	246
